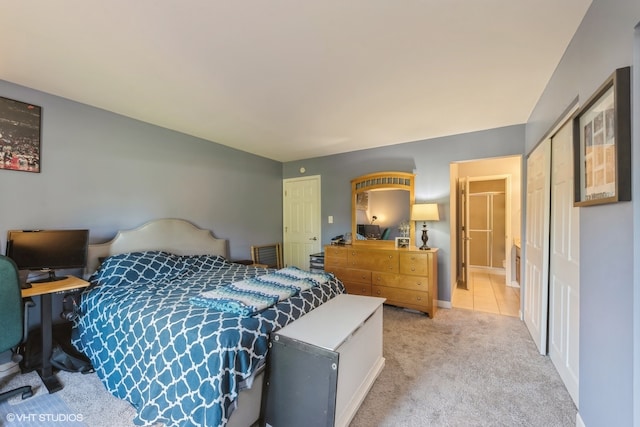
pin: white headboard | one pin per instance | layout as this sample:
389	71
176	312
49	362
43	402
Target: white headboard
177	236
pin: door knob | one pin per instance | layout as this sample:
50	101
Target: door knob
313	238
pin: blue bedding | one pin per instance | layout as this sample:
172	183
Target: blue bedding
176	362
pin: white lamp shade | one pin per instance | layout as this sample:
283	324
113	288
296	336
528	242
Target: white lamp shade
425	212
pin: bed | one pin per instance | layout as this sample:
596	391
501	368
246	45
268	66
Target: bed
151	344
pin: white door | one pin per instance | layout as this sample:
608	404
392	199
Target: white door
564	264
301	220
536	273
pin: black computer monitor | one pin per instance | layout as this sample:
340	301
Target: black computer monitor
370	231
48	250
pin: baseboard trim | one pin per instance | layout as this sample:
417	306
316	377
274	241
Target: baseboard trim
444	304
8	368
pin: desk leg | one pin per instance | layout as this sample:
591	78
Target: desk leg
46	371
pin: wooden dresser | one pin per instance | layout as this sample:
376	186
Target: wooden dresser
406	277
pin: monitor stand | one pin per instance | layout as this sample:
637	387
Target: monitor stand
51	278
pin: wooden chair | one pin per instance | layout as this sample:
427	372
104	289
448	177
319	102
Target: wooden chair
269	256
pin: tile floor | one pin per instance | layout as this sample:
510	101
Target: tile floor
487	292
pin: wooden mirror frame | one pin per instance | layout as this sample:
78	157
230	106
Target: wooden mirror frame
381	181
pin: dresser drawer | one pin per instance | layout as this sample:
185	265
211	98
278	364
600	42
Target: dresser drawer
402	296
351	276
340	272
335	256
415	264
357	276
417	283
373	260
385	279
357	289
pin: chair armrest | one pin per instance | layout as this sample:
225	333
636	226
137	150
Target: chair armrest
28	303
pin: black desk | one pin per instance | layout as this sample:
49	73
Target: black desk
44	290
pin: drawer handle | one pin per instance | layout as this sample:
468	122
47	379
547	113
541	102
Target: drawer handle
378	292
419	298
419	283
413	268
364	276
390	256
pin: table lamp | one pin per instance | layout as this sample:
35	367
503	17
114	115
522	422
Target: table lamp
425	212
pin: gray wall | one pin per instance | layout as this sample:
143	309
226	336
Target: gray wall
107	172
428	159
603	42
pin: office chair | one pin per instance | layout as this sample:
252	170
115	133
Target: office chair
385	234
13	330
267	255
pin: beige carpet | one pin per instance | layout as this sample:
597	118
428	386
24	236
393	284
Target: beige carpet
462	368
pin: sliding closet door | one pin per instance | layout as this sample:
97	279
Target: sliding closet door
536	274
564	264
552	272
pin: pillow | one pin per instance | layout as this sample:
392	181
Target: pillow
199	263
138	267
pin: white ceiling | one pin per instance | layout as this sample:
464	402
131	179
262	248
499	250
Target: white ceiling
291	79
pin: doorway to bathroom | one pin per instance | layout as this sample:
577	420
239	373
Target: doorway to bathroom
486	203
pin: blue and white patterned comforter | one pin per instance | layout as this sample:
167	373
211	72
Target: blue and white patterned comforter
175	362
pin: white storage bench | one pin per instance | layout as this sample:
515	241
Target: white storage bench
321	367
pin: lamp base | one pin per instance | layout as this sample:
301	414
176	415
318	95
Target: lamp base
424	246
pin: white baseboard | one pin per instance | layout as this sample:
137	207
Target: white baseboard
9	368
444	304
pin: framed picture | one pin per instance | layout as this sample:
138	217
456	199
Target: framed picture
403	242
602	144
19	135
362	201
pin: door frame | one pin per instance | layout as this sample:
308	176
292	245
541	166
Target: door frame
462	219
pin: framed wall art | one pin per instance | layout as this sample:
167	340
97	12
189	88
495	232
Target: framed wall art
19	135
362	201
602	144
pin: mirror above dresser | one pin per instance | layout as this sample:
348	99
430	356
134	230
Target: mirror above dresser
381	201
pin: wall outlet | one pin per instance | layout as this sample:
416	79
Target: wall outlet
330	219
